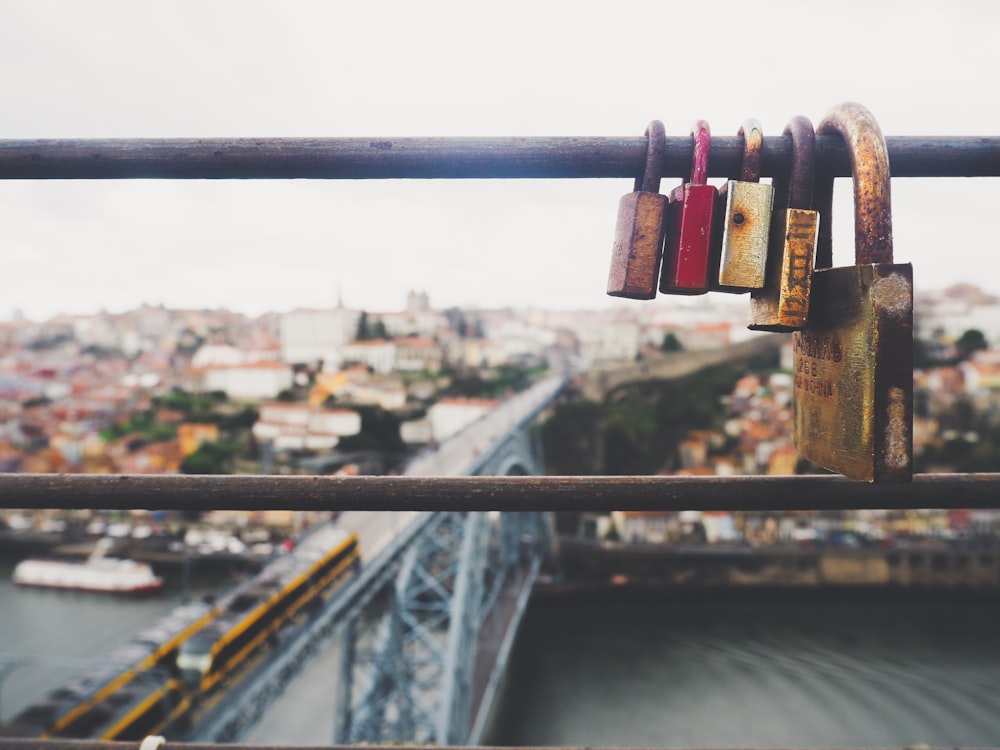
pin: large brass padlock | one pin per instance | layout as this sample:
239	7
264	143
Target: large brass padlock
853	362
744	218
638	246
783	303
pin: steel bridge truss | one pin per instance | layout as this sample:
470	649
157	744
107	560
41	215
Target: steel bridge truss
425	630
428	672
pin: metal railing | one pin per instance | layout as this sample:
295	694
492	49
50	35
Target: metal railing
458	158
536	157
605	493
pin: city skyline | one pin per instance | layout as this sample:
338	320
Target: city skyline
969	293
264	70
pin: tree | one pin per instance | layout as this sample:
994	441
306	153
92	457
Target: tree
379	432
971	341
210	458
671	344
362	334
369	329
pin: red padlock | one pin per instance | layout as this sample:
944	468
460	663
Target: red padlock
687	251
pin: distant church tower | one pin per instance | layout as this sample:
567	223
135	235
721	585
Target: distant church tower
417	302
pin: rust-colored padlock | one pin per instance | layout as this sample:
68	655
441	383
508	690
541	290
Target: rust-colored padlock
744	217
686	252
638	246
783	303
853	362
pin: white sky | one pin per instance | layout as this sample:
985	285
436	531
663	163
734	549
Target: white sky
180	68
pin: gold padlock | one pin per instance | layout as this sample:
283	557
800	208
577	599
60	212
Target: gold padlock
853	362
744	216
783	303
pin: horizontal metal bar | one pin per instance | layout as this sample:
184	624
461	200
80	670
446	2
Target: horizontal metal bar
183	492
9	743
508	157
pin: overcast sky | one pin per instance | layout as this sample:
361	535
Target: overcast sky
134	69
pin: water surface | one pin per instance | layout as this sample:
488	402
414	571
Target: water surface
776	668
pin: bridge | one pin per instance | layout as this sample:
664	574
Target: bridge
413	649
420	640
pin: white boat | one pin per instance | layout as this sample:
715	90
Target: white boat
98	573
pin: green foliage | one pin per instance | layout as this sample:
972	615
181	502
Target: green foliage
923	354
970	438
197	407
971	341
671	344
362	334
102	352
571	438
188	342
929	353
242	420
143	423
368	329
379	432
494	383
210	458
638	430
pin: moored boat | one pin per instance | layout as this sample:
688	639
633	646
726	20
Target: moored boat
98	573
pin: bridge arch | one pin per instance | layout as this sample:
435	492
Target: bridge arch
515	455
514	466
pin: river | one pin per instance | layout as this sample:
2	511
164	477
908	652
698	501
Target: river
58	632
751	668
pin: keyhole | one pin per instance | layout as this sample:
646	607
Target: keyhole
738	219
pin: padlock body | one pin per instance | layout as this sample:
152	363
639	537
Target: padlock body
687	249
744	216
853	373
783	303
638	246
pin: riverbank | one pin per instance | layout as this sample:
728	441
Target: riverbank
591	564
161	552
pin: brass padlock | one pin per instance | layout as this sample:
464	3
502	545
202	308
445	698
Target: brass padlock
853	362
744	215
783	303
638	246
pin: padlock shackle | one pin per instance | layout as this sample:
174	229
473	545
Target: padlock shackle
702	145
753	143
802	175
872	184
656	144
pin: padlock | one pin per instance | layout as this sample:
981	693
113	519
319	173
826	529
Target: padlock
853	362
744	219
783	303
638	245
689	224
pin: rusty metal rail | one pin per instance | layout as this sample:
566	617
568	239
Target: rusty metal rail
182	492
18	744
461	158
